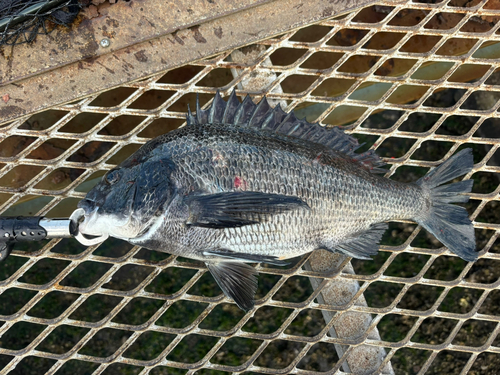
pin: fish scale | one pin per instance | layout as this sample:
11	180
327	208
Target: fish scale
342	210
245	183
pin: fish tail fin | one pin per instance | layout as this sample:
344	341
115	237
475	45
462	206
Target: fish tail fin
449	223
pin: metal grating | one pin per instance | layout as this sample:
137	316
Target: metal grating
416	81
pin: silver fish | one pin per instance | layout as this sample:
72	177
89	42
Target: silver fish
244	182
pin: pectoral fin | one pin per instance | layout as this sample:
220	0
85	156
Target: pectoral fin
364	244
237	280
236	209
228	254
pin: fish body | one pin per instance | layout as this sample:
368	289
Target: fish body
248	183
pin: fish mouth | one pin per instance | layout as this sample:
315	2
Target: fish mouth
76	218
88	221
98	222
88	205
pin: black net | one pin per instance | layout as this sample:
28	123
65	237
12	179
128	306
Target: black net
22	20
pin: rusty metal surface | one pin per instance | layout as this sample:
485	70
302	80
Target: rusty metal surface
141	59
434	313
124	24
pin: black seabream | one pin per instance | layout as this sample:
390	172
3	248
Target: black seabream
245	183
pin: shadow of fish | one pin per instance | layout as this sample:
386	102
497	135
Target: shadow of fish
244	182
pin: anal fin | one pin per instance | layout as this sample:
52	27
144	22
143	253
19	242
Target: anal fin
237	280
242	257
364	244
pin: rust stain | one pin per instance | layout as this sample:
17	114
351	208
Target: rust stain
108	34
112	22
141	56
11	111
90	60
89	50
107	69
218	32
197	34
177	39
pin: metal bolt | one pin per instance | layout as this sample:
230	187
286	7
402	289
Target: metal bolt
105	42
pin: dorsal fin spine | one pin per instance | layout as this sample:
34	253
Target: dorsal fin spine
268	119
294	129
259	113
262	115
231	108
191	120
246	106
199	111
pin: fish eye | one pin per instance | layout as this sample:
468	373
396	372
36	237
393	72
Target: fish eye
112	177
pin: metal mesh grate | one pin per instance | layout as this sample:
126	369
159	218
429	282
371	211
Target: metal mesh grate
417	82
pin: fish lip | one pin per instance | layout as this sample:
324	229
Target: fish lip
78	214
88	205
89	219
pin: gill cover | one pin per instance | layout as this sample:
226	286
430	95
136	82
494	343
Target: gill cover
154	188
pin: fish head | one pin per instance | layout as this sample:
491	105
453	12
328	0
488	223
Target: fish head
127	199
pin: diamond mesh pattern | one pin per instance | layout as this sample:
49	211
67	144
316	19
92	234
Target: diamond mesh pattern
417	82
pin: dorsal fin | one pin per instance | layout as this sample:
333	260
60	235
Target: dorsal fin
262	116
259	114
231	107
244	112
216	110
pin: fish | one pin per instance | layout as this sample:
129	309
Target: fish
247	183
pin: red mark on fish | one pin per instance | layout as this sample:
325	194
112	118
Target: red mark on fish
239	183
318	159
